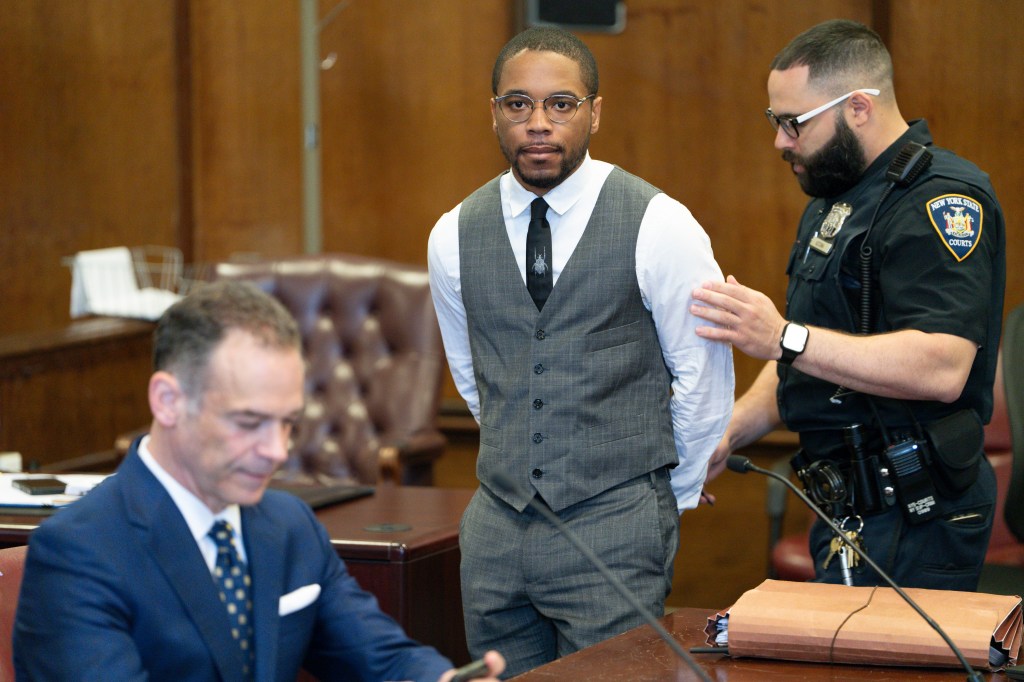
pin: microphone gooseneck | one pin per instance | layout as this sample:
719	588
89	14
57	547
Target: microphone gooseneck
506	482
742	465
739	464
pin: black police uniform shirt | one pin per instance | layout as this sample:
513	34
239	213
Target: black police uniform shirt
938	266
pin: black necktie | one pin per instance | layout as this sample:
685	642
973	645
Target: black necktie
538	254
232	578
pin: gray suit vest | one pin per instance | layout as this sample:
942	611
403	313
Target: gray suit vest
573	399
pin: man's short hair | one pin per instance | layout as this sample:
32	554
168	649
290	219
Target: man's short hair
190	330
840	55
549	39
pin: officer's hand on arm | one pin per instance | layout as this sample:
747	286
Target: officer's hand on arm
495	666
907	364
746	318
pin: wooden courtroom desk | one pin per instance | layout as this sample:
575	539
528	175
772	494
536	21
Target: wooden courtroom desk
401	544
641	656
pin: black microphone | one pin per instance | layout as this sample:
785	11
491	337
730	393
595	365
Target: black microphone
503	480
742	465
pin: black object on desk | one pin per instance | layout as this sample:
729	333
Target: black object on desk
318	496
41	485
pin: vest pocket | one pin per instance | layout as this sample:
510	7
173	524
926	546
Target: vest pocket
612	431
609	338
490	436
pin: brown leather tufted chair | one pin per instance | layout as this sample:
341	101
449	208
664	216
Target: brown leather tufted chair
374	366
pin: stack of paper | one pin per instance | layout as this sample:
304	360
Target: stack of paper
103	282
77	485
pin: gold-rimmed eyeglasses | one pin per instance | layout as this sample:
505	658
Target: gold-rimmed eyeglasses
791	124
518	108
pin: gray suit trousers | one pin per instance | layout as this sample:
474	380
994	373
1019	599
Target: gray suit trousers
530	594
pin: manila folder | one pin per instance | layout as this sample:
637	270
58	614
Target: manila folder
870	625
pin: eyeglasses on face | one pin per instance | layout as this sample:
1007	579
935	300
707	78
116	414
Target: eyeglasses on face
791	124
518	108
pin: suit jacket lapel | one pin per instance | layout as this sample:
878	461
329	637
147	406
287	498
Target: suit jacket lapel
155	516
263	546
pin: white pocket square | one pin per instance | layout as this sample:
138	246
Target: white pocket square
298	599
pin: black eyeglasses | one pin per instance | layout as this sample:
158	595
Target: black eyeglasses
790	124
559	108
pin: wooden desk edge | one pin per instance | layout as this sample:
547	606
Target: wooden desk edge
686	625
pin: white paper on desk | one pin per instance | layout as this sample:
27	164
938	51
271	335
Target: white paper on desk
103	283
76	486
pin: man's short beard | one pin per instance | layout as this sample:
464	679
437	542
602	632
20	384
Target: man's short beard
571	160
543	181
834	168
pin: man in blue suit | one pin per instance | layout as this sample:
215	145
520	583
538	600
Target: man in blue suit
132	582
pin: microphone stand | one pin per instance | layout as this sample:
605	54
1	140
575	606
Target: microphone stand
742	465
504	481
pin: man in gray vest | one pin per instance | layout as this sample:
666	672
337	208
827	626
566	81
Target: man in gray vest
563	288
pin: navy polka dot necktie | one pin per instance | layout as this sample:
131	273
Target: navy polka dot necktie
232	578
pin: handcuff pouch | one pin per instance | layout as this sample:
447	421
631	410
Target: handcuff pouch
957	443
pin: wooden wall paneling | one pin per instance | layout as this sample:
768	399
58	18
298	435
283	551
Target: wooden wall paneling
406	127
247	128
185	238
958	63
70	393
87	143
406	120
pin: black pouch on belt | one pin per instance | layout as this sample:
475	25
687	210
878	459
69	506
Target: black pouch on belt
957	442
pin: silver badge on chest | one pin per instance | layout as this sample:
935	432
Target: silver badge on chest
823	238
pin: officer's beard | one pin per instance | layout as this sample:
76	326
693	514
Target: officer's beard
834	168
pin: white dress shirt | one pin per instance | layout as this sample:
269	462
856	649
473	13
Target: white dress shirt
197	515
673	257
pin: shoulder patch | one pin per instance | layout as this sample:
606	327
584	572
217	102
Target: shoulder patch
957	219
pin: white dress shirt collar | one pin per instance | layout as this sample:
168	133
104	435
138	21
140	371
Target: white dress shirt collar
197	515
560	199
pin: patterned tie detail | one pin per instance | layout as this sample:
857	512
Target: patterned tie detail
232	578
539	280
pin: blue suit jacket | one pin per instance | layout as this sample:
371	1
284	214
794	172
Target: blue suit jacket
115	588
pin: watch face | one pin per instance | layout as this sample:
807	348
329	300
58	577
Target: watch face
795	337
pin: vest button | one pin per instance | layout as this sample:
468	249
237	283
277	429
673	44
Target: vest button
538	403
538	369
538	437
540	334
536	473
